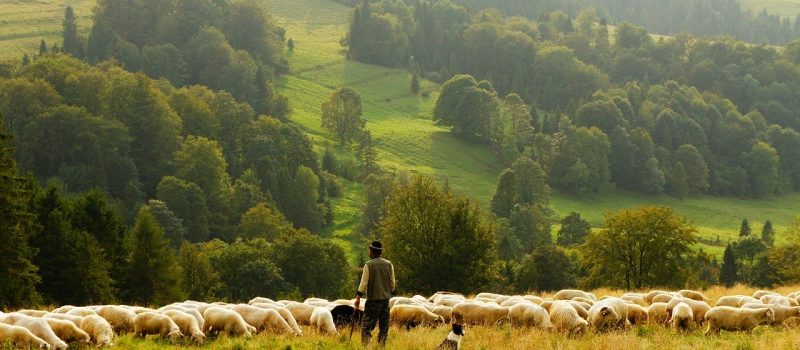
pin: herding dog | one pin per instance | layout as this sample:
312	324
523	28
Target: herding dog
453	340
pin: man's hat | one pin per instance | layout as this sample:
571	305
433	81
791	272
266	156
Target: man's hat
376	245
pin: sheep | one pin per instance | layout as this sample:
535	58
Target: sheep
514	301
478	313
184	308
637	314
230	323
121	319
699	308
693	294
413	315
74	319
568	294
402	301
735	300
261	300
546	304
138	309
67	331
532	298
682	317
81	311
492	296
147	323
63	309
301	312
760	293
608	314
263	319
445	311
285	314
732	319
663	298
322	320
448	301
98	329
187	324
316	302
565	319
634	299
33	313
584	301
445	295
778	299
529	315
21	337
38	327
583	310
657	313
649	296
781	312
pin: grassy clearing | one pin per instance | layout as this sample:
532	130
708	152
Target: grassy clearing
408	143
784	8
23	23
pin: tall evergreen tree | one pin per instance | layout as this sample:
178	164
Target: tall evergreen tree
728	272
367	155
153	275
71	42
17	273
42	48
744	229
768	234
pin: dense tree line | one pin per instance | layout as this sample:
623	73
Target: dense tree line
225	45
684	116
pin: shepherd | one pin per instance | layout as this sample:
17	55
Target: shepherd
378	286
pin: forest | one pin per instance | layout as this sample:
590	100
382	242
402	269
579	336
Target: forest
158	151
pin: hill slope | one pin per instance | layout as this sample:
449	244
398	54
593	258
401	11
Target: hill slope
23	23
407	141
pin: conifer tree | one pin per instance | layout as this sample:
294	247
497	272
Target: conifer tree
745	230
768	234
728	272
71	41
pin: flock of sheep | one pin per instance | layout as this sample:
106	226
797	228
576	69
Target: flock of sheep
568	311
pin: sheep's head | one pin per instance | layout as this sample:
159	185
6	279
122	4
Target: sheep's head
770	315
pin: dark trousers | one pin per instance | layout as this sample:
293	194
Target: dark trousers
375	312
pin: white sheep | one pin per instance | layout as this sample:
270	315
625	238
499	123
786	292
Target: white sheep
261	300
778	299
322	320
285	314
781	312
62	309
566	319
445	311
74	319
479	313
67	331
226	321
699	308
529	315
657	313
81	311
733	319
693	294
413	315
38	327
735	300
682	317
121	319
760	293
569	294
301	312
98	329
637	314
33	313
147	323
609	313
187	324
263	319
21	337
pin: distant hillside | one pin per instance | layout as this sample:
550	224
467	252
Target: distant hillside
23	23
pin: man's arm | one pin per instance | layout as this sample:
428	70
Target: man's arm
362	287
394	283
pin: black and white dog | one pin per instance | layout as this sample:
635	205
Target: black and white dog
453	340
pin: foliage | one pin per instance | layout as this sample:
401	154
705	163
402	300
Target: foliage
728	274
465	106
341	113
640	248
438	241
261	221
313	265
199	279
245	269
744	229
574	230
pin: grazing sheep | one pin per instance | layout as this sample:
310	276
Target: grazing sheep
732	319
33	313
581	300
445	311
532	298
438	295
74	319
184	308
263	319
187	324
657	313
317	302
682	317
735	300
413	315
322	320
693	294
230	323
777	299
479	313
63	309
663	298
67	331
649	296
81	311
301	312
634	299
514	301
21	337
637	314
286	314
781	312
121	319
699	308
452	301
261	300
760	293
38	327
610	313
529	315
546	304
583	310
147	323
569	294
98	329
566	319
492	296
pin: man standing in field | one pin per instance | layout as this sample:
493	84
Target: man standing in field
378	284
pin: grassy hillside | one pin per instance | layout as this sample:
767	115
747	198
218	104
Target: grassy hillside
23	23
784	8
408	142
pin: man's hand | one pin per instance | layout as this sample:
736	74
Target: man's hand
358	303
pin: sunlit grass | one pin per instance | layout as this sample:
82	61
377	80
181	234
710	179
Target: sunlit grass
23	23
